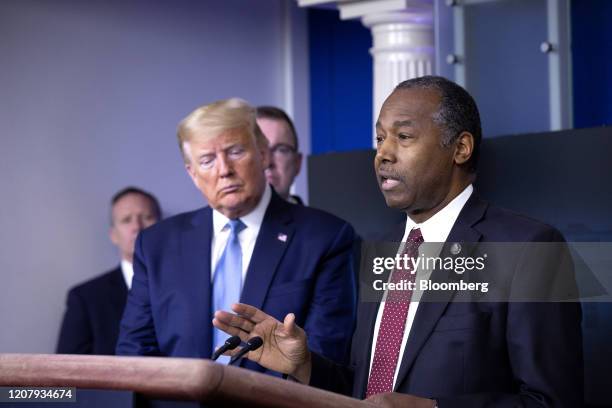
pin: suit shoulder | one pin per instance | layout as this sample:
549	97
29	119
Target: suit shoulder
506	225
318	218
94	285
175	223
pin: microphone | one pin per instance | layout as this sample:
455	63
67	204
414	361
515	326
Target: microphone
253	344
230	344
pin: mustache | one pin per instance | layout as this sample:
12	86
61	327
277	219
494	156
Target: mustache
388	172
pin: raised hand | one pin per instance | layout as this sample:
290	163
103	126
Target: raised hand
284	349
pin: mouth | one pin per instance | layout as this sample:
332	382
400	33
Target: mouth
271	176
388	181
230	189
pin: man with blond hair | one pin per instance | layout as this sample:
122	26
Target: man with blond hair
247	245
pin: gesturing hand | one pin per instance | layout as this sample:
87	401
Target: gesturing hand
284	349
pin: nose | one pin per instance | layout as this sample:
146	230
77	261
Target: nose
272	161
224	166
385	151
138	224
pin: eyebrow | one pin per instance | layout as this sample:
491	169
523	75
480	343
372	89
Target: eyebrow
202	155
397	123
401	123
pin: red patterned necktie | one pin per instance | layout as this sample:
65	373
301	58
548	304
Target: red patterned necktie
393	323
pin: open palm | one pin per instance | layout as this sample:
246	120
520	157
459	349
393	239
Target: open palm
284	343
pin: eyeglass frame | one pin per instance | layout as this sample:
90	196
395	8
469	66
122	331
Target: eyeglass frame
277	151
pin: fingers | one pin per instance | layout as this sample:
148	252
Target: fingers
231	330
234	321
250	312
289	325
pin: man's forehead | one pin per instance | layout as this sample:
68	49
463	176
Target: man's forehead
274	127
131	200
404	106
207	139
396	115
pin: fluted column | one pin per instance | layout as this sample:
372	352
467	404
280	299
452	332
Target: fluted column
403	48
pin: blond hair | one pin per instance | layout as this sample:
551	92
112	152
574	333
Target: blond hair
208	121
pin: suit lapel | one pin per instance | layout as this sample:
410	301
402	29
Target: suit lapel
195	274
367	314
273	239
118	291
432	306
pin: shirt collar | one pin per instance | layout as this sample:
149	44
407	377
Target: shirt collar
437	228
251	220
127	269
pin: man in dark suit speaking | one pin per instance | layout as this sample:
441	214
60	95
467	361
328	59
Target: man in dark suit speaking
248	245
446	353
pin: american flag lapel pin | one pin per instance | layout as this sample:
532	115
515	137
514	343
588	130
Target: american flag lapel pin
282	237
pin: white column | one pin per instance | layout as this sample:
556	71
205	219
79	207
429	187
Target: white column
403	48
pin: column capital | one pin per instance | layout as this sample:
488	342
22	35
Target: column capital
360	8
415	15
402	40
402	31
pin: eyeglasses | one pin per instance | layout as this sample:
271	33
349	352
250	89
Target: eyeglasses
282	150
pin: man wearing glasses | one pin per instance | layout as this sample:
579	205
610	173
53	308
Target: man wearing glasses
285	159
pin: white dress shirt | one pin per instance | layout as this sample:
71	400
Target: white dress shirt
247	236
127	268
435	229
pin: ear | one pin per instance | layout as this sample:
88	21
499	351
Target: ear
264	151
464	148
298	160
112	234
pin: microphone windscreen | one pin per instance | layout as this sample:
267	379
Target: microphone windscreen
255	343
232	342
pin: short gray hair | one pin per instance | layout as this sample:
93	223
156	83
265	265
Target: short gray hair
457	111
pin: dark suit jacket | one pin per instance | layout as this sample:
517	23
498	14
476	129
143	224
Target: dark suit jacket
478	354
297	200
93	313
301	263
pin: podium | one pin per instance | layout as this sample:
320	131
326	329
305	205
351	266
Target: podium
184	379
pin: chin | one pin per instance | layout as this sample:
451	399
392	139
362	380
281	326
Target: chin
240	207
233	205
281	191
397	203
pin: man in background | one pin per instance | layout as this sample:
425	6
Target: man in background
94	308
285	158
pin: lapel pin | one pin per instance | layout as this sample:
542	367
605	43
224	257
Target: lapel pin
282	237
455	248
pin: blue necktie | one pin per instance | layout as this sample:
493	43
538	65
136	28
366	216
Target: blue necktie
227	281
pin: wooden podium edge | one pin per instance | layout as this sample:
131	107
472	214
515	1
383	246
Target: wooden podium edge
166	378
